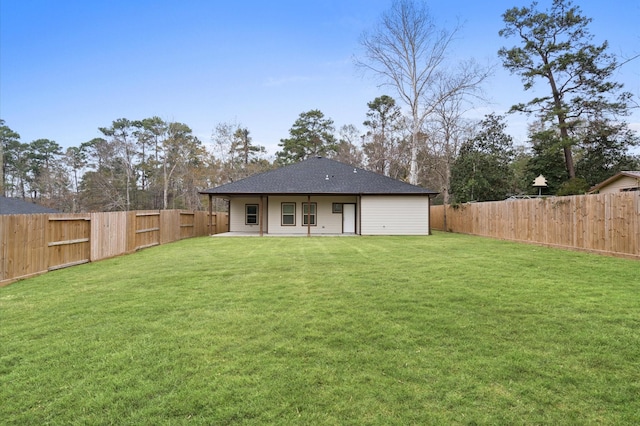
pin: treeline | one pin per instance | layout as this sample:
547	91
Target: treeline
466	160
153	164
138	164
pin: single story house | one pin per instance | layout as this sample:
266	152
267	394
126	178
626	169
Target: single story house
18	206
620	182
322	196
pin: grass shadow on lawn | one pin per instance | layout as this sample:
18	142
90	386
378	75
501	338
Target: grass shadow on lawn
366	330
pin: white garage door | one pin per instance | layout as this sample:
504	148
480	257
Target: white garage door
395	215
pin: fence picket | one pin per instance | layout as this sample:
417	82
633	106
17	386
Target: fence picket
34	244
602	223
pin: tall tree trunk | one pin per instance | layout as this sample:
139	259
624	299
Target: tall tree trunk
562	123
2	178
413	165
128	193
165	188
566	147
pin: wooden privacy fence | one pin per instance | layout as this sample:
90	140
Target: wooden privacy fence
602	223
33	244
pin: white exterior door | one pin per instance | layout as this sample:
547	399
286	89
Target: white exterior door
348	218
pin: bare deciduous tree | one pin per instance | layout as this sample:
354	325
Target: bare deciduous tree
447	129
120	133
348	147
409	52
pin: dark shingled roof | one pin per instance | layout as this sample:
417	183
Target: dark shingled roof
318	175
17	206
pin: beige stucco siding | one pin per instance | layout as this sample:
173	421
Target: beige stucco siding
395	215
379	215
327	222
625	182
237	216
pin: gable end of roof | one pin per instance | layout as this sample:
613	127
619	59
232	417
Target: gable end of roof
628	173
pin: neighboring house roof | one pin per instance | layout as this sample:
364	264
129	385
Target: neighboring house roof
318	175
17	206
632	174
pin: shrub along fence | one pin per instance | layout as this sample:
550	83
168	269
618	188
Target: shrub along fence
33	244
602	223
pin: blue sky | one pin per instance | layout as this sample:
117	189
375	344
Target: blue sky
68	67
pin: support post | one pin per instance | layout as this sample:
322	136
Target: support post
359	216
260	215
210	214
308	215
429	215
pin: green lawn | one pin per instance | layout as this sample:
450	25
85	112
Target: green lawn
447	329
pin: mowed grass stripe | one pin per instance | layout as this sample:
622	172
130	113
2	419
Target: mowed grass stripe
362	330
